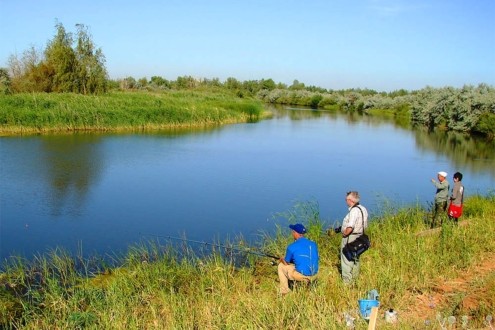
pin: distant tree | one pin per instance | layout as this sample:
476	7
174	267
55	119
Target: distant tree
23	71
251	87
142	82
422	107
315	100
185	82
158	81
400	92
232	83
365	91
316	89
91	74
215	82
296	85
486	125
128	83
61	58
267	84
4	81
352	101
273	96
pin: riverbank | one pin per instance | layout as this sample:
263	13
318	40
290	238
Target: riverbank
158	287
38	113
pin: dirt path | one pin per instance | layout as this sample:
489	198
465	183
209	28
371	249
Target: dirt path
471	293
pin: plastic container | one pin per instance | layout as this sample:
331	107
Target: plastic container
365	306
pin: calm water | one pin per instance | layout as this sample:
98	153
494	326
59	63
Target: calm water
101	193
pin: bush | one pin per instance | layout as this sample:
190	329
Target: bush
486	125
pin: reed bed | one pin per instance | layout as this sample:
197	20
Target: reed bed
164	286
117	111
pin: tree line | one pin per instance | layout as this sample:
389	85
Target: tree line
72	63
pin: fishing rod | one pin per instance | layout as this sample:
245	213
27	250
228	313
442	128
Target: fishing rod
216	245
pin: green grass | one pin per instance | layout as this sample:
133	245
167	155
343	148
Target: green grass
159	287
55	112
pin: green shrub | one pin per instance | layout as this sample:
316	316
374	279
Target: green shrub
486	125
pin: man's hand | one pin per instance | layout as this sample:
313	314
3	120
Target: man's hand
332	231
346	232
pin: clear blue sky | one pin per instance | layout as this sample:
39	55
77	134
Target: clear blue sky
379	44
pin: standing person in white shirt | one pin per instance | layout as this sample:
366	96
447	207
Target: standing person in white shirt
353	226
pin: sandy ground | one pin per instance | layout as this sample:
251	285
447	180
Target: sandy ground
471	293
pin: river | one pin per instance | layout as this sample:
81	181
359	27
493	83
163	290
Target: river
94	193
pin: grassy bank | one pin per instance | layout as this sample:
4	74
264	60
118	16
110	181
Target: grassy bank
156	289
41	112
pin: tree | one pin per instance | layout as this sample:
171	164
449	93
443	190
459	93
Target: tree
142	82
4	81
296	85
128	83
90	64
159	82
252	86
267	84
232	83
60	56
185	82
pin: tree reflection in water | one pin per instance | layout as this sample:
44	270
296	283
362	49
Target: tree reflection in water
474	153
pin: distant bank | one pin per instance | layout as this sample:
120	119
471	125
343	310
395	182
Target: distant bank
34	113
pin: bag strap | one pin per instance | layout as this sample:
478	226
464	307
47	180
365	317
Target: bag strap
362	219
362	215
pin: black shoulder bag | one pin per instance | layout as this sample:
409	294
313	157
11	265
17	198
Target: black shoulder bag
352	251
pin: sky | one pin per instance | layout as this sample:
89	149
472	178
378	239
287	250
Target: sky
383	45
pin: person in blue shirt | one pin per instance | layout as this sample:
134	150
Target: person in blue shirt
301	260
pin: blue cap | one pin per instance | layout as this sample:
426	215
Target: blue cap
298	228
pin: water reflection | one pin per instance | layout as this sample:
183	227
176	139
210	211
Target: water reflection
177	132
466	151
300	113
72	164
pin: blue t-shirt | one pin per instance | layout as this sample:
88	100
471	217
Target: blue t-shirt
303	253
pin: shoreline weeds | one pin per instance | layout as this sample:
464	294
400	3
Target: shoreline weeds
22	131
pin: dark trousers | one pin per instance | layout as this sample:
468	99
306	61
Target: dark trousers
440	207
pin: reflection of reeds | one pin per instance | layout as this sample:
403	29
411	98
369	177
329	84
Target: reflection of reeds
122	111
159	285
